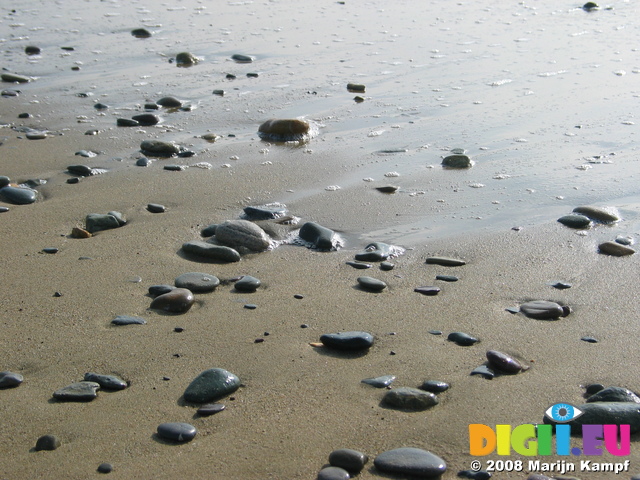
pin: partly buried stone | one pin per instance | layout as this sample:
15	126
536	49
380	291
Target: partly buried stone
177	431
211	385
605	413
186	58
156	208
615	249
462	339
445	261
380	382
600	214
97	222
285	130
128	320
141	33
18	195
614	394
146	119
10	379
243	234
434	386
427	290
374	252
211	251
348	341
408	398
333	473
411	461
575	221
209	230
108	382
170	102
504	363
47	442
197	282
544	310
266	212
156	290
78	392
321	237
159	148
351	460
371	284
457	161
247	284
178	300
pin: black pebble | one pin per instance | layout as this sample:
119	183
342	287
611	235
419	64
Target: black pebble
32	50
24	115
47	442
589	339
593	388
258	340
127	122
178	329
105	468
57	294
304	325
474	475
141	33
50	250
250	306
230	76
462	339
299	297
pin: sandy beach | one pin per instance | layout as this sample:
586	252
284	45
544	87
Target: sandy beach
300	402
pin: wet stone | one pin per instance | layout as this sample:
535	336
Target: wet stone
320	237
211	385
561	285
175	168
32	50
408	398
10	379
462	339
374	252
159	148
371	284
593	388
211	251
614	249
128	320
614	394
434	386
50	250
14	78
484	371
210	409
386	266
600	214
388	189
242	58
590	6
47	442
380	382
170	102
18	195
156	208
143	162
186	58
457	161
197	282
247	284
242	233
503	362
177	431
411	461
178	300
127	122
265	212
429	291
575	221
4	209
146	119
351	460
108	382
542	310
445	261
151	106
4	181
356	87
141	33
333	473
349	341
284	130
605	413
78	392
100	106
155	290
10	93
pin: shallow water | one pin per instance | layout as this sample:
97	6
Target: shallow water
533	91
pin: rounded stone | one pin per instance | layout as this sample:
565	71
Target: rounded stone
171	102
593	388
503	362
457	161
374	252
155	290
127	122
411	461
32	50
186	58
97	222
156	208
355	340
284	130
209	230
434	386
408	398
47	442
371	284
614	394
146	119
247	284
177	431
386	266
211	251
178	300
351	460
4	181
197	282
462	339
242	58
159	148
614	249
575	221
321	237
356	87
10	379
242	233
210	385
18	195
333	473
105	468
600	214
542	310
427	290
128	320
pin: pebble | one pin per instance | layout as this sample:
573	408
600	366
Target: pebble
430	291
105	468
359	266
333	473
374	252
447	278
77	232
561	285
155	290
593	388
435	332
178	300
589	6
47	442
388	189
143	162
18	195
36	135
457	161
605	413
503	362
210	409
408	398
171	102
380	382
242	233
484	371
156	208
141	33
175	168
284	130
355	340
266	212
128	320
147	119
50	250
250	306
247	284
177	431
614	249
186	59
78	392
32	50
10	93
4	209
445	261
210	385
159	148
97	222
10	379
108	382
4	181
197	282
100	106
462	339
209	250
14	78
600	214
387	266
434	386
371	284
543	310
575	221
218	92
321	237
411	461
151	106
475	474
589	339
356	87
242	58
127	122
614	394
351	460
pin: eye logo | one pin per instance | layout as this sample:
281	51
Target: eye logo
563	412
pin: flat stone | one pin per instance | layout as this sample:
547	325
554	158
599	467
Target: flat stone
127	122
128	320
374	252
320	237
105	468
156	290
605	413
197	282
359	266
78	392
159	148
242	58
408	398
434	386
614	394
411	461
589	339
211	251
354	340
247	284
242	234
147	119
371	284
503	362
47	442
457	161
18	195
380	382
14	78
97	222
284	130
210	409
483	371
177	431
600	214
156	208
108	382
171	102
356	87
266	212
175	168
447	278
445	261
462	339
178	300
386	266
211	385
575	221
561	285
352	461
333	473
542	310
608	248
10	379
430	291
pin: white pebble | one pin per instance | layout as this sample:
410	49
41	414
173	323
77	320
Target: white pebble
332	188
392	174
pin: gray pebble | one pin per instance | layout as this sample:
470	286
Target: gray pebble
614	249
211	385
211	251
155	290
178	300
600	214
380	382
105	468
47	442
462	339
351	460
445	261
614	394
542	310
78	392
457	161
242	233
210	409
371	284
447	278
171	102
175	168
354	340
159	148
589	339
359	266
143	162
128	320
197	282
247	284
156	208
10	379
387	266
575	221
18	195
434	386
374	252
333	473
265	212
108	382
408	398
97	222
411	461
503	362
14	78
177	431
427	290
242	58
321	237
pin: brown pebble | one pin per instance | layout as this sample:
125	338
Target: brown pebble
316	344
615	249
78	232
